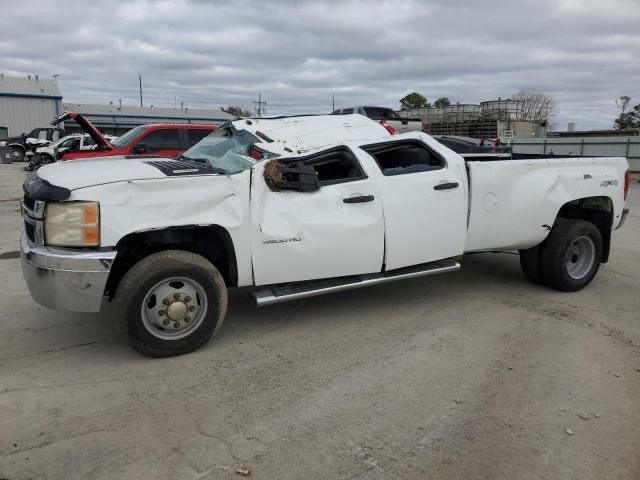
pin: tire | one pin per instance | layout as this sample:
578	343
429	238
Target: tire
41	160
571	255
170	303
531	264
18	154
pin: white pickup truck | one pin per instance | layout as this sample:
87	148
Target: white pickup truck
295	207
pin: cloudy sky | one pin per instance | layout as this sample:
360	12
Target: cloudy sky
584	53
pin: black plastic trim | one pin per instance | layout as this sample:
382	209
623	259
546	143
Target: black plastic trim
39	189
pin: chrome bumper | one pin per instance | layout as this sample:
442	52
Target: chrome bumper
64	278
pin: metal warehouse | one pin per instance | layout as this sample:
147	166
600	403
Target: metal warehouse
115	119
27	103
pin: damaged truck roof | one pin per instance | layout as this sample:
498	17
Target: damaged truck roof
303	134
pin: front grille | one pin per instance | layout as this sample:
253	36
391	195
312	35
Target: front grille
30	230
32	214
29	202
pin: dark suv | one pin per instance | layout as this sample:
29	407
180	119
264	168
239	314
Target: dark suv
21	149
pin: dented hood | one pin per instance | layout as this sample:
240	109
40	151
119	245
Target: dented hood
76	174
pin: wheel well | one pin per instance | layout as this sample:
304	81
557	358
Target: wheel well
213	242
597	210
18	145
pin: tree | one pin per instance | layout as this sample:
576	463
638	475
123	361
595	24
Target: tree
626	119
413	101
237	111
441	102
535	105
623	102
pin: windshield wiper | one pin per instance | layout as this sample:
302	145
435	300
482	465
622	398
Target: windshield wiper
190	159
206	165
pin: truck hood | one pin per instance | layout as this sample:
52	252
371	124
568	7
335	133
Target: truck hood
76	174
87	126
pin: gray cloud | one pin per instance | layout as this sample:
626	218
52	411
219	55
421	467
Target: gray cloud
584	53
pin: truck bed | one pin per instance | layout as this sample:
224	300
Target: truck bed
514	202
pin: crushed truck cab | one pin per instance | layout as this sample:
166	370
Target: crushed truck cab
295	207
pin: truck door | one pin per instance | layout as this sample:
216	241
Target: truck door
424	199
336	230
163	142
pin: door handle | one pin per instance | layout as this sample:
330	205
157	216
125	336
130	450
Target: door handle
360	199
446	186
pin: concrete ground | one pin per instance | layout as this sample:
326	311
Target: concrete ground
472	375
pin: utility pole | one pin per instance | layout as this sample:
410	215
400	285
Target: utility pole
258	110
140	79
333	101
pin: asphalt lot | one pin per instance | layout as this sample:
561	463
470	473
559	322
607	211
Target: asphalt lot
475	374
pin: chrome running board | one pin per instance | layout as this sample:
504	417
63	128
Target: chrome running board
296	290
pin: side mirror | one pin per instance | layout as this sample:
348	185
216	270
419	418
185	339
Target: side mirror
296	176
139	148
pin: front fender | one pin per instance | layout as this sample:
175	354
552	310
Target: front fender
138	206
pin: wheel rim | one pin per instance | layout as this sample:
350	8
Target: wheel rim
581	256
173	308
17	155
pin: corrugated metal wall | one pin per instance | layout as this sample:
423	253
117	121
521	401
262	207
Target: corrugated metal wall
23	114
610	146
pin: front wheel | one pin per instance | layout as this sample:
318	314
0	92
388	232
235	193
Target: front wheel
572	254
42	159
18	154
170	303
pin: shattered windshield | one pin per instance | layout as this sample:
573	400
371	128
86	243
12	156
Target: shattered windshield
224	149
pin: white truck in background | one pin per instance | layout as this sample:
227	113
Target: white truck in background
389	119
76	142
295	207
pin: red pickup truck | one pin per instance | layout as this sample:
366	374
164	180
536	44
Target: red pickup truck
158	140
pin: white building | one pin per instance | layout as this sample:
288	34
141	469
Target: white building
116	120
27	103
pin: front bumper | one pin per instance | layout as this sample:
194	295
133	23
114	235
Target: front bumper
64	278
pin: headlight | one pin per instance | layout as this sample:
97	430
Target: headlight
3	144
72	224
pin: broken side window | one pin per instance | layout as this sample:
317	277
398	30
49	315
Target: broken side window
400	158
335	166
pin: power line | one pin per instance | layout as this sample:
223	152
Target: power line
258	110
140	78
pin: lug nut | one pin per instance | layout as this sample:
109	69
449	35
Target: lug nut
187	319
176	296
187	299
165	301
165	322
160	312
176	324
191	308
